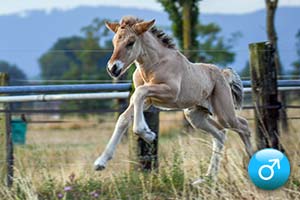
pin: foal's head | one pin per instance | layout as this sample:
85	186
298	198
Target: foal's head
126	42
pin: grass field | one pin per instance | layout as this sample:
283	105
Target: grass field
57	163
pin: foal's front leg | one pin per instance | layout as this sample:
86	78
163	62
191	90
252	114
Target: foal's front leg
140	127
121	127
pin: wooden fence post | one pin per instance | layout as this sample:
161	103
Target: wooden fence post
6	145
265	95
144	155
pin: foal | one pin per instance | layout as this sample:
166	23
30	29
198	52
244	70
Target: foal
166	79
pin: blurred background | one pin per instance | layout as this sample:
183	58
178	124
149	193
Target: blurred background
34	32
66	42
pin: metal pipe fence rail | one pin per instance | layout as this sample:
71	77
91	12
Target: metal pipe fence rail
104	87
122	88
100	91
64	97
283	85
85	96
280	83
40	93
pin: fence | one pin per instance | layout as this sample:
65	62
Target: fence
263	86
144	151
147	153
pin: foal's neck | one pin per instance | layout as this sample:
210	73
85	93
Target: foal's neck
151	54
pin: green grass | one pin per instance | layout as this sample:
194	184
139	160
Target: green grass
48	166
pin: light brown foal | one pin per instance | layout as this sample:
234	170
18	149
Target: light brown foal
166	79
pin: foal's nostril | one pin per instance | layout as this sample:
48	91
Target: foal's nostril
113	69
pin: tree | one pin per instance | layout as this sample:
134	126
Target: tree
199	42
271	6
14	72
184	16
245	72
213	47
61	61
296	64
77	58
95	48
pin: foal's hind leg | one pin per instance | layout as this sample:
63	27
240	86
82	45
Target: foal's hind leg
245	134
200	119
223	107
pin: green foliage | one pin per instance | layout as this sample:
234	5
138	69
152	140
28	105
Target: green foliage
78	58
245	71
13	71
206	44
296	70
61	60
175	11
213	47
168	183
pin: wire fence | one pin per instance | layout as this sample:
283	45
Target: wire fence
109	110
111	50
279	77
65	81
45	81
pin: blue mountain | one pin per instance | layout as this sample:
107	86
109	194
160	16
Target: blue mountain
24	38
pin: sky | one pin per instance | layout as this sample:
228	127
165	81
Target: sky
207	6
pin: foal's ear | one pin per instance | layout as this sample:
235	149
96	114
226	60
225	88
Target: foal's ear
142	27
112	26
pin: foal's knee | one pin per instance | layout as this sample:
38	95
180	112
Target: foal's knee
230	123
139	130
243	121
123	121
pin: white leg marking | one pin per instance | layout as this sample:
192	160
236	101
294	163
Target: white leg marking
140	126
143	131
120	128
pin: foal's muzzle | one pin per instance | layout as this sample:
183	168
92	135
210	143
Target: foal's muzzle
115	68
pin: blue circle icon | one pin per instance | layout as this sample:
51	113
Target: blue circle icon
269	169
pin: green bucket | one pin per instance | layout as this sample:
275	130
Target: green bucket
18	128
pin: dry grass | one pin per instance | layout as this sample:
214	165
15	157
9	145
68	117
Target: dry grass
55	151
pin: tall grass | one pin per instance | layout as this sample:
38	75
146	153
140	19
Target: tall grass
59	166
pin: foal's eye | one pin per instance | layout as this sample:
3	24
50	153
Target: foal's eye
130	44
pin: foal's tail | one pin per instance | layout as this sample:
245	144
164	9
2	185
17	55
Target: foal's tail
236	86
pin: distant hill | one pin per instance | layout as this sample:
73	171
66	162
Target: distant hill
23	38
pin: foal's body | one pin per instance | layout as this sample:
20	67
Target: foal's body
166	79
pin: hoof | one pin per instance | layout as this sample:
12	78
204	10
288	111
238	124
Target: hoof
198	182
149	137
100	163
203	180
99	167
145	133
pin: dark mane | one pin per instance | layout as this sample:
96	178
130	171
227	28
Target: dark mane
165	40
